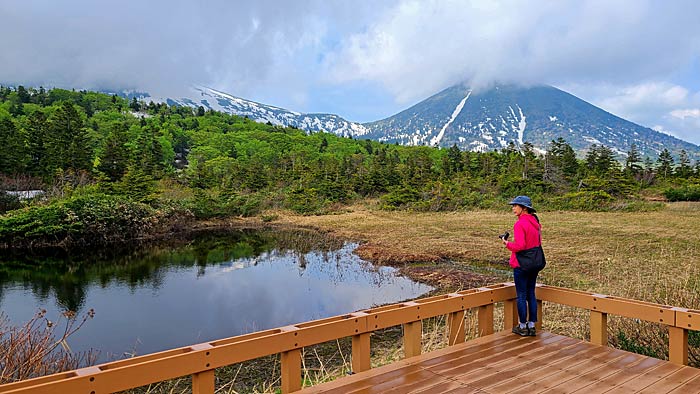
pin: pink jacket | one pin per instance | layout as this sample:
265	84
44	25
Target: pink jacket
526	235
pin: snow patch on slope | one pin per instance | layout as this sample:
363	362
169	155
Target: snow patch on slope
435	141
521	125
223	102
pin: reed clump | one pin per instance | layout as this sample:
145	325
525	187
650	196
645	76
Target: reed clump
40	347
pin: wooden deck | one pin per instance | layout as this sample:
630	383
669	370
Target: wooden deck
507	363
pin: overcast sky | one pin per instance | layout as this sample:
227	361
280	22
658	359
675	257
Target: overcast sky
366	60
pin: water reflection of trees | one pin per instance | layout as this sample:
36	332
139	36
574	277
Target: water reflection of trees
69	276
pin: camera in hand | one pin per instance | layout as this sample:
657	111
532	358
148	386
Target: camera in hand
504	236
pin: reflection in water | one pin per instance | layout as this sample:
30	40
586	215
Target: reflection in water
190	291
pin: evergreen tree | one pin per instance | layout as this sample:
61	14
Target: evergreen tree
560	161
592	158
115	156
134	105
37	130
136	185
23	94
600	160
14	153
648	173
633	161
665	161
68	143
683	170
454	159
149	153
530	168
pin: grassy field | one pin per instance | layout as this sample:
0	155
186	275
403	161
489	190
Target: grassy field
649	256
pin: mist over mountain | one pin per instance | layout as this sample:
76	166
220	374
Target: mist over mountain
475	121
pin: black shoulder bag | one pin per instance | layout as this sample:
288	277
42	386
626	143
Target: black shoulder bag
531	260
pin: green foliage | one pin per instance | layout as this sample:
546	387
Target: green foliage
115	154
212	204
685	193
136	185
400	196
582	201
13	156
68	144
304	201
8	202
633	345
81	220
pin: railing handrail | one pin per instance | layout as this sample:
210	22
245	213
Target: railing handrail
202	359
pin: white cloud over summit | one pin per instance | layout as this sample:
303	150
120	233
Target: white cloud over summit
366	60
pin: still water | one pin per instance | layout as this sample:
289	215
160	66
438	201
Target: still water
190	291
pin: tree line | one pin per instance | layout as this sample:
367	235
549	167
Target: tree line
66	140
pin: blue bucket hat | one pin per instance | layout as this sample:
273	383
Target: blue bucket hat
524	201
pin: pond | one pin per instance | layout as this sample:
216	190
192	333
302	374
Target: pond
210	286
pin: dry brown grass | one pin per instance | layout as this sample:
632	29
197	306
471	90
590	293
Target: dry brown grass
651	256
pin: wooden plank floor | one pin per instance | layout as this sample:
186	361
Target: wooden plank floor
507	363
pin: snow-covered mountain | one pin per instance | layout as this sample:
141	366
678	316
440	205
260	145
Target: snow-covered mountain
477	121
224	102
487	120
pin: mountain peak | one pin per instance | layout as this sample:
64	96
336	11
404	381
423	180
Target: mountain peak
490	119
476	120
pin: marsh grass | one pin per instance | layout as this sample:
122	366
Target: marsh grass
649	255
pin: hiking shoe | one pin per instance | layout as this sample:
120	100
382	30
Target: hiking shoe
523	332
531	332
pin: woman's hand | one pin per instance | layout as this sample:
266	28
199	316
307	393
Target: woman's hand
505	243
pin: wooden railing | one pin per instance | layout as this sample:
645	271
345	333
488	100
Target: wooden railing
201	360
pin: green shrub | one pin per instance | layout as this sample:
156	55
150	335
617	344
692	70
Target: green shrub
633	345
8	202
685	193
400	197
85	219
304	201
582	201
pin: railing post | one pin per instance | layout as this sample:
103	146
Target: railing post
538	324
360	352
203	382
599	328
485	316
510	314
456	332
678	345
412	335
291	371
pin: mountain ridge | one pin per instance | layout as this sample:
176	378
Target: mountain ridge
477	121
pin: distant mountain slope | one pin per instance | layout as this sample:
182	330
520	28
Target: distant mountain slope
477	121
224	102
491	119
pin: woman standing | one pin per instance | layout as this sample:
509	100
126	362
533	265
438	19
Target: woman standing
526	235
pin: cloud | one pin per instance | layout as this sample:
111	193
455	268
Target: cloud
421	46
663	106
160	45
308	55
686	113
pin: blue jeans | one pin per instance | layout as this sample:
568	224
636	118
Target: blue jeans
525	290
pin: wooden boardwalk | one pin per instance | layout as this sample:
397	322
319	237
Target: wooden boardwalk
507	363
